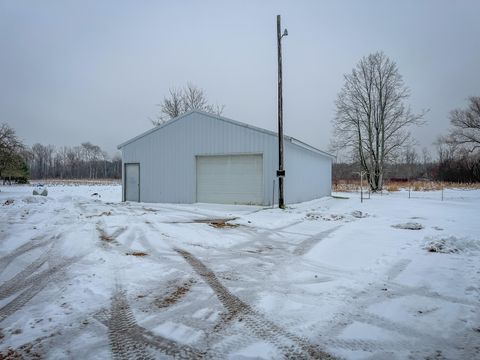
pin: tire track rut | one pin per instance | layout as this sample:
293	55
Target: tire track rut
28	246
128	340
291	345
31	283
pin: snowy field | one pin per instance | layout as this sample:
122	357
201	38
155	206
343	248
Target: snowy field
90	277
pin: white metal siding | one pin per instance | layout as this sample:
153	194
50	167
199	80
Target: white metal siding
308	174
230	179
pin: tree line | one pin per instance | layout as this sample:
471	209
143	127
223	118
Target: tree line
85	161
19	163
450	165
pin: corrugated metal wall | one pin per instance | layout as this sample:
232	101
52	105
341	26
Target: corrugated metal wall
168	165
307	174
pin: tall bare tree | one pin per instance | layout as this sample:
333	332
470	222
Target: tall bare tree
180	101
372	118
465	130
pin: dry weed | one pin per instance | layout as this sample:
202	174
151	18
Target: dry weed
415	185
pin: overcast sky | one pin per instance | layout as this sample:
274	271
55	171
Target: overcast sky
76	71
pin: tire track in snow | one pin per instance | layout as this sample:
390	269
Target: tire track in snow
34	288
109	238
28	246
128	340
24	278
31	281
121	334
357	311
306	245
291	345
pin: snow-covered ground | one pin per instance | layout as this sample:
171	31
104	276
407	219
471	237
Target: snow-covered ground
90	277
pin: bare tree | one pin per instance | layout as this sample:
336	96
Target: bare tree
171	106
465	131
426	161
372	119
42	165
183	100
193	98
91	154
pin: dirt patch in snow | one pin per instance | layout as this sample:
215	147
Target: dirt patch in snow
109	238
175	295
218	223
409	226
136	253
105	213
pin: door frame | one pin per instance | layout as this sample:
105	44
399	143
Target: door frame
125	180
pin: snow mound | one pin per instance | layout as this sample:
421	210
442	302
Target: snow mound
40	190
409	226
358	214
34	199
451	244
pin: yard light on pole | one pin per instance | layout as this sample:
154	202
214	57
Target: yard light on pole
361	173
281	170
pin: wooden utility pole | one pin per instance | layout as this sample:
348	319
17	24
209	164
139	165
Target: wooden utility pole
281	171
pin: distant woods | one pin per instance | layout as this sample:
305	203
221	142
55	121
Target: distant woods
18	163
447	166
86	161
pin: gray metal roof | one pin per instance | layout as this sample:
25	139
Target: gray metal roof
234	122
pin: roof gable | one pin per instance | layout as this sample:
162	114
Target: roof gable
230	121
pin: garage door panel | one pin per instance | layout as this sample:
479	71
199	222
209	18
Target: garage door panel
230	179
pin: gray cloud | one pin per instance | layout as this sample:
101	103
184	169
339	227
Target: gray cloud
93	71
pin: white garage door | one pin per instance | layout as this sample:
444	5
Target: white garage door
230	179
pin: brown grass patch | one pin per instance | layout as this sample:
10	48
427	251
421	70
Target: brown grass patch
415	185
223	225
218	223
392	187
136	253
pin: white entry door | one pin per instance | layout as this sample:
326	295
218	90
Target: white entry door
230	179
132	182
